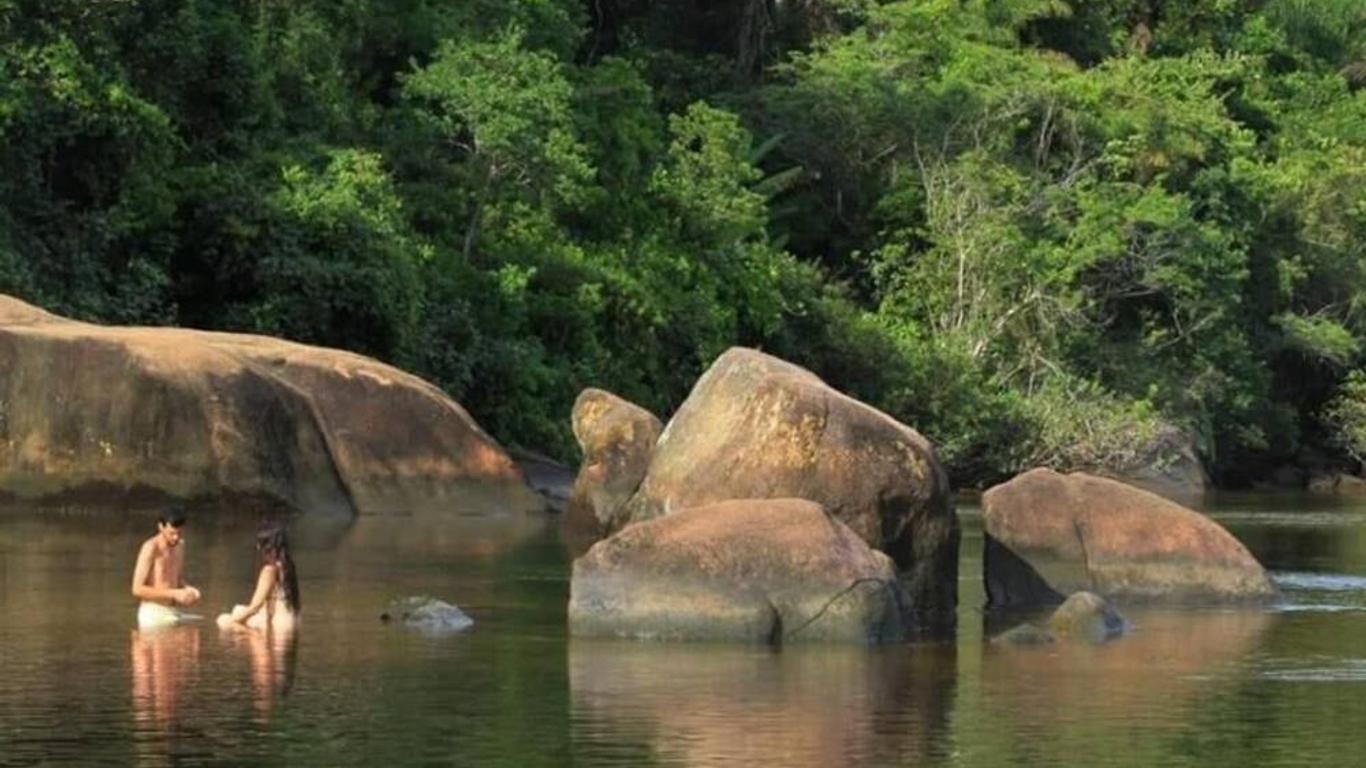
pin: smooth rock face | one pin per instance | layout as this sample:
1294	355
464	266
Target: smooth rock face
755	426
150	414
1049	535
617	438
757	570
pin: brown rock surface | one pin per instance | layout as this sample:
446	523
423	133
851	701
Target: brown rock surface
126	414
755	570
755	426
617	438
1048	535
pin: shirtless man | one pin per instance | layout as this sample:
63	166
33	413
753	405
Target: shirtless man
158	578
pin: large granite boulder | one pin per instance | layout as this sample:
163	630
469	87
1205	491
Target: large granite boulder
617	438
1048	535
134	415
754	570
755	426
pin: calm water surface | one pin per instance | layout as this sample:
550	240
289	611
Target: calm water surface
80	686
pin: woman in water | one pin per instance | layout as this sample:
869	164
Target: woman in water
275	604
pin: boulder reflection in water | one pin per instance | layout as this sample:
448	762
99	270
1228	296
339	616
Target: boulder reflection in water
1168	661
706	705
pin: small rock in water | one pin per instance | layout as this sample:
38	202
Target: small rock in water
1087	616
427	613
1084	617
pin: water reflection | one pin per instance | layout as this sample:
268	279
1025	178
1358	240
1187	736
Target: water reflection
1166	662
271	656
705	705
1297	532
165	665
484	536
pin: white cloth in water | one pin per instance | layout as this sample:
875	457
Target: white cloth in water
157	615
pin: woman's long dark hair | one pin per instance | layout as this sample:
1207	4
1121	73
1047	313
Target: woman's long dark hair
272	547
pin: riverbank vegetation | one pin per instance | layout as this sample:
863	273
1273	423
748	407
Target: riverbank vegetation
1039	231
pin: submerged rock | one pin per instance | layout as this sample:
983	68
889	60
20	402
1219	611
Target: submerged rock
1084	617
428	614
756	570
757	427
1025	635
617	438
1048	535
154	414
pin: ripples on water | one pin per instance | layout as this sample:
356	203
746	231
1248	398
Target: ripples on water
80	686
1320	582
1291	519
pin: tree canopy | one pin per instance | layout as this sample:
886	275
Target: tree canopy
1039	231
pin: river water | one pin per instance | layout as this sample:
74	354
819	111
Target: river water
80	686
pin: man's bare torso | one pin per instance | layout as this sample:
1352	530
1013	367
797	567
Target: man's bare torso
168	564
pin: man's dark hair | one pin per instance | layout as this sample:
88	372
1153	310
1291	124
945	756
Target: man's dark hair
174	517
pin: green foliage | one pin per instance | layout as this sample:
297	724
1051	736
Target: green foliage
1040	231
342	269
1077	425
1318	338
1346	416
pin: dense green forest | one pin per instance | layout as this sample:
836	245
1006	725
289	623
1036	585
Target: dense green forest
1040	231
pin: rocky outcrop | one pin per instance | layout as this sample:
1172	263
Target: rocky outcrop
759	570
758	427
1048	535
1168	466
617	438
128	415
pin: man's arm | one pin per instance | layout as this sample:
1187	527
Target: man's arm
140	588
